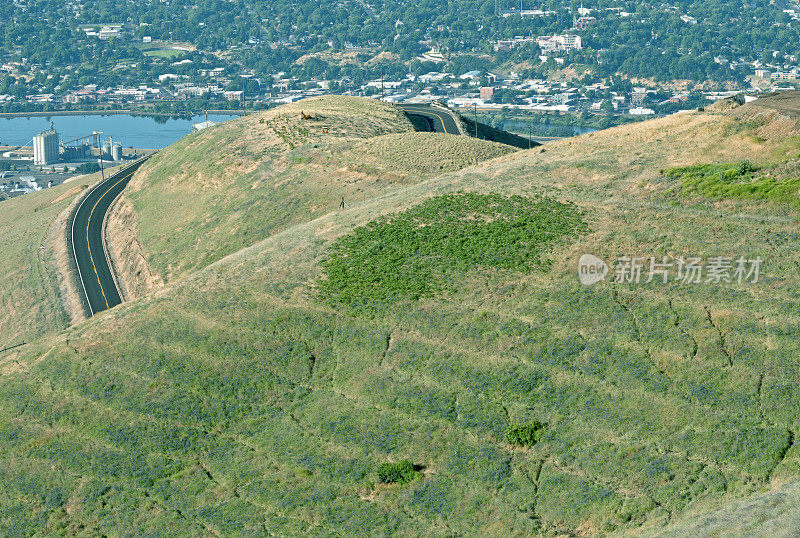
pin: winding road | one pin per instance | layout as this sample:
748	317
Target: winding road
100	291
439	120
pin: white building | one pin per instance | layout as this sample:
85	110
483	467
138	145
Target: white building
783	75
555	43
203	125
528	13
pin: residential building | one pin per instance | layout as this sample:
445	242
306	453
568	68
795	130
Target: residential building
237	95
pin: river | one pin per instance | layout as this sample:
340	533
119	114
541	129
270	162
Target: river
140	132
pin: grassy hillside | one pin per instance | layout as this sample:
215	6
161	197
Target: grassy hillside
245	399
28	284
30	301
770	513
231	186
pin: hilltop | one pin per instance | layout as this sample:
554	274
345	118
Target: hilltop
227	187
292	349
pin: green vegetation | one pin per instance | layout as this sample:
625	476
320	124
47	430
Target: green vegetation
401	472
88	168
524	434
659	46
426	250
163	53
740	180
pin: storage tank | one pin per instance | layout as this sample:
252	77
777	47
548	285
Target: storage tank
116	152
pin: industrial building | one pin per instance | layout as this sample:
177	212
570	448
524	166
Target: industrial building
112	150
79	152
45	147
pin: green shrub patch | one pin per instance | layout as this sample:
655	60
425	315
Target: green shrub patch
401	472
740	180
422	252
524	434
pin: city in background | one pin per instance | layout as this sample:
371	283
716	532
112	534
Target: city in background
561	66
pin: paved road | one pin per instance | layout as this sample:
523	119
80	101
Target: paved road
88	247
439	120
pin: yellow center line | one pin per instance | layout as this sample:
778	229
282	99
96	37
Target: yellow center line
423	112
442	120
88	245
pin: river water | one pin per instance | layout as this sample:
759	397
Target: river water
131	131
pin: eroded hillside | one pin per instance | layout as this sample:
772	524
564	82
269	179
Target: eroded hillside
243	400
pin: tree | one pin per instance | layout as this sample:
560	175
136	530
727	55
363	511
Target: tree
88	168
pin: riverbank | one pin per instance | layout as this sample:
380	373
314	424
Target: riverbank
119	112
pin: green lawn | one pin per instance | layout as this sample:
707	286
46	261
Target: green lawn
163	53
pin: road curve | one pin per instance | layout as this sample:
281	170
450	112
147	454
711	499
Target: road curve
439	120
96	281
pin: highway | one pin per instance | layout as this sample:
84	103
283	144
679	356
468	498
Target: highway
96	280
439	120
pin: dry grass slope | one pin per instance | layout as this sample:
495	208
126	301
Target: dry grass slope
235	402
30	298
231	186
422	155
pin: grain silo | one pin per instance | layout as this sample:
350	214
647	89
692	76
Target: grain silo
45	147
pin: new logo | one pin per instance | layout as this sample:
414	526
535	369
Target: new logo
591	269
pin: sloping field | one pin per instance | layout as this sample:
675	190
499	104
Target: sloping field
242	401
231	186
28	285
31	302
773	513
785	102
